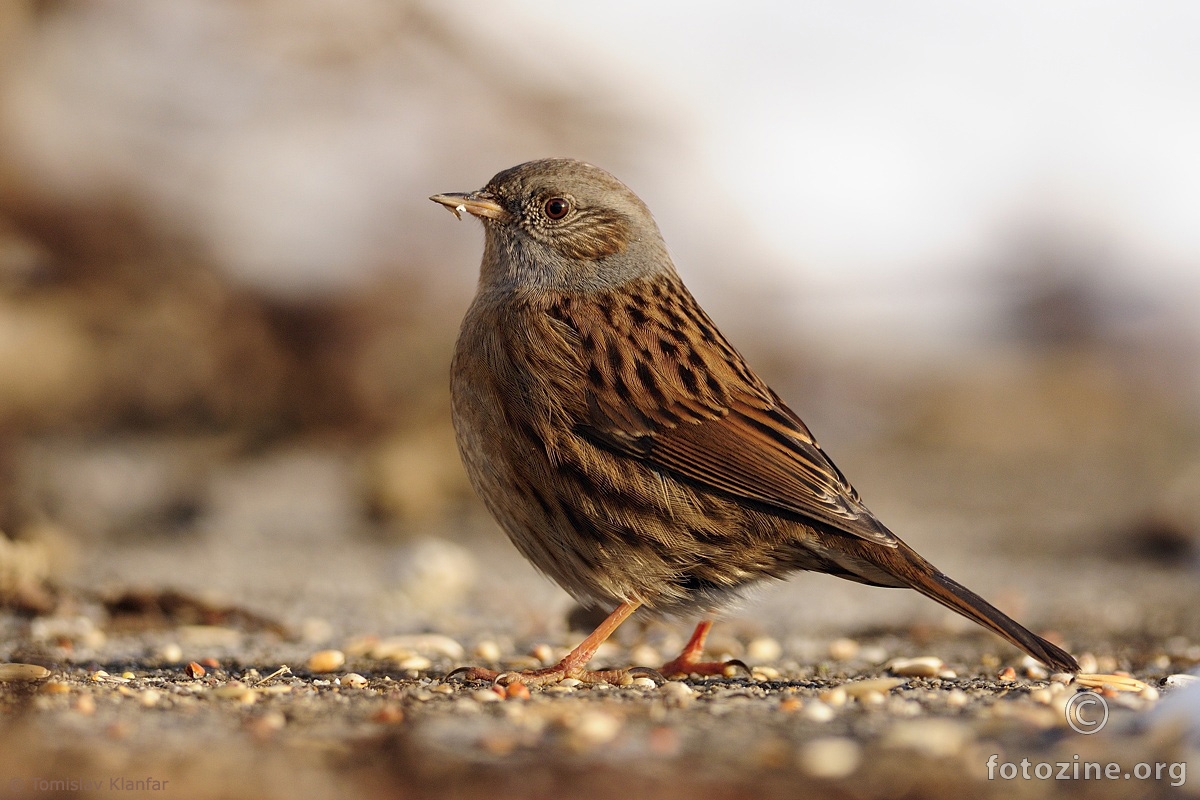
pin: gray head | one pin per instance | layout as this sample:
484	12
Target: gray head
562	225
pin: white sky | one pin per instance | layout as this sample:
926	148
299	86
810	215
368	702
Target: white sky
909	138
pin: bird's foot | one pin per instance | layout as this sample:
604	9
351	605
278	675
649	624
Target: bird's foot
688	662
572	665
551	675
684	666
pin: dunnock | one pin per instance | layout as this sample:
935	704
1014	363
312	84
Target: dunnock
626	447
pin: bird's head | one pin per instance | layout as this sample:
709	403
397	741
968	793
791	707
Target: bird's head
562	225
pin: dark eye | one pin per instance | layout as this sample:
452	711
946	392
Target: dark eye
557	207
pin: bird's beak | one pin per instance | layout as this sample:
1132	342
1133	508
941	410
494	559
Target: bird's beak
481	204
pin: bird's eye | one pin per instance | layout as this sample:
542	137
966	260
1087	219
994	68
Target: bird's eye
557	207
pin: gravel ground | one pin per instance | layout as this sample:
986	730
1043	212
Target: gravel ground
163	670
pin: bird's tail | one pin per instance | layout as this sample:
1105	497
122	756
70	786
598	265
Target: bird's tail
955	596
910	569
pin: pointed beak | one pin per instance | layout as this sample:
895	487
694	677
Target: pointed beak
481	204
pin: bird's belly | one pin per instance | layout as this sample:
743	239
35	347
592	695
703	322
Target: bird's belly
605	527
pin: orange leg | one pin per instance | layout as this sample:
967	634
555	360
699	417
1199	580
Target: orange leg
688	662
572	665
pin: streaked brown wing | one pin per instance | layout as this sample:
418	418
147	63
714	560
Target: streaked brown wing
666	388
754	449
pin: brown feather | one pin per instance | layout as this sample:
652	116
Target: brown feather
624	445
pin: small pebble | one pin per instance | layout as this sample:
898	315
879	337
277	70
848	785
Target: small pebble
857	689
543	653
939	738
1062	677
920	667
355	681
388	715
443	688
398	648
485	696
957	698
22	673
516	691
872	699
194	670
1149	694
818	712
487	650
594	728
791	704
644	683
843	649
677	694
170	653
835	697
326	660
1179	680
570	683
418	663
1087	663
234	690
763	649
55	687
830	758
150	698
85	704
1007	674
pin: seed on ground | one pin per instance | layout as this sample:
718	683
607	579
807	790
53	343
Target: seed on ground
326	660
487	650
22	673
1119	683
920	667
843	649
355	681
857	689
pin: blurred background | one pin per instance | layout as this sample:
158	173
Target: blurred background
963	241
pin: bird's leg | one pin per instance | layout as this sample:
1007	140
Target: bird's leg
572	665
688	662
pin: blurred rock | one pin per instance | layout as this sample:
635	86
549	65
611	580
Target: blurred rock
415	477
119	486
433	574
212	223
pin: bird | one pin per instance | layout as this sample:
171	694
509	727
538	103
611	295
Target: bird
627	448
